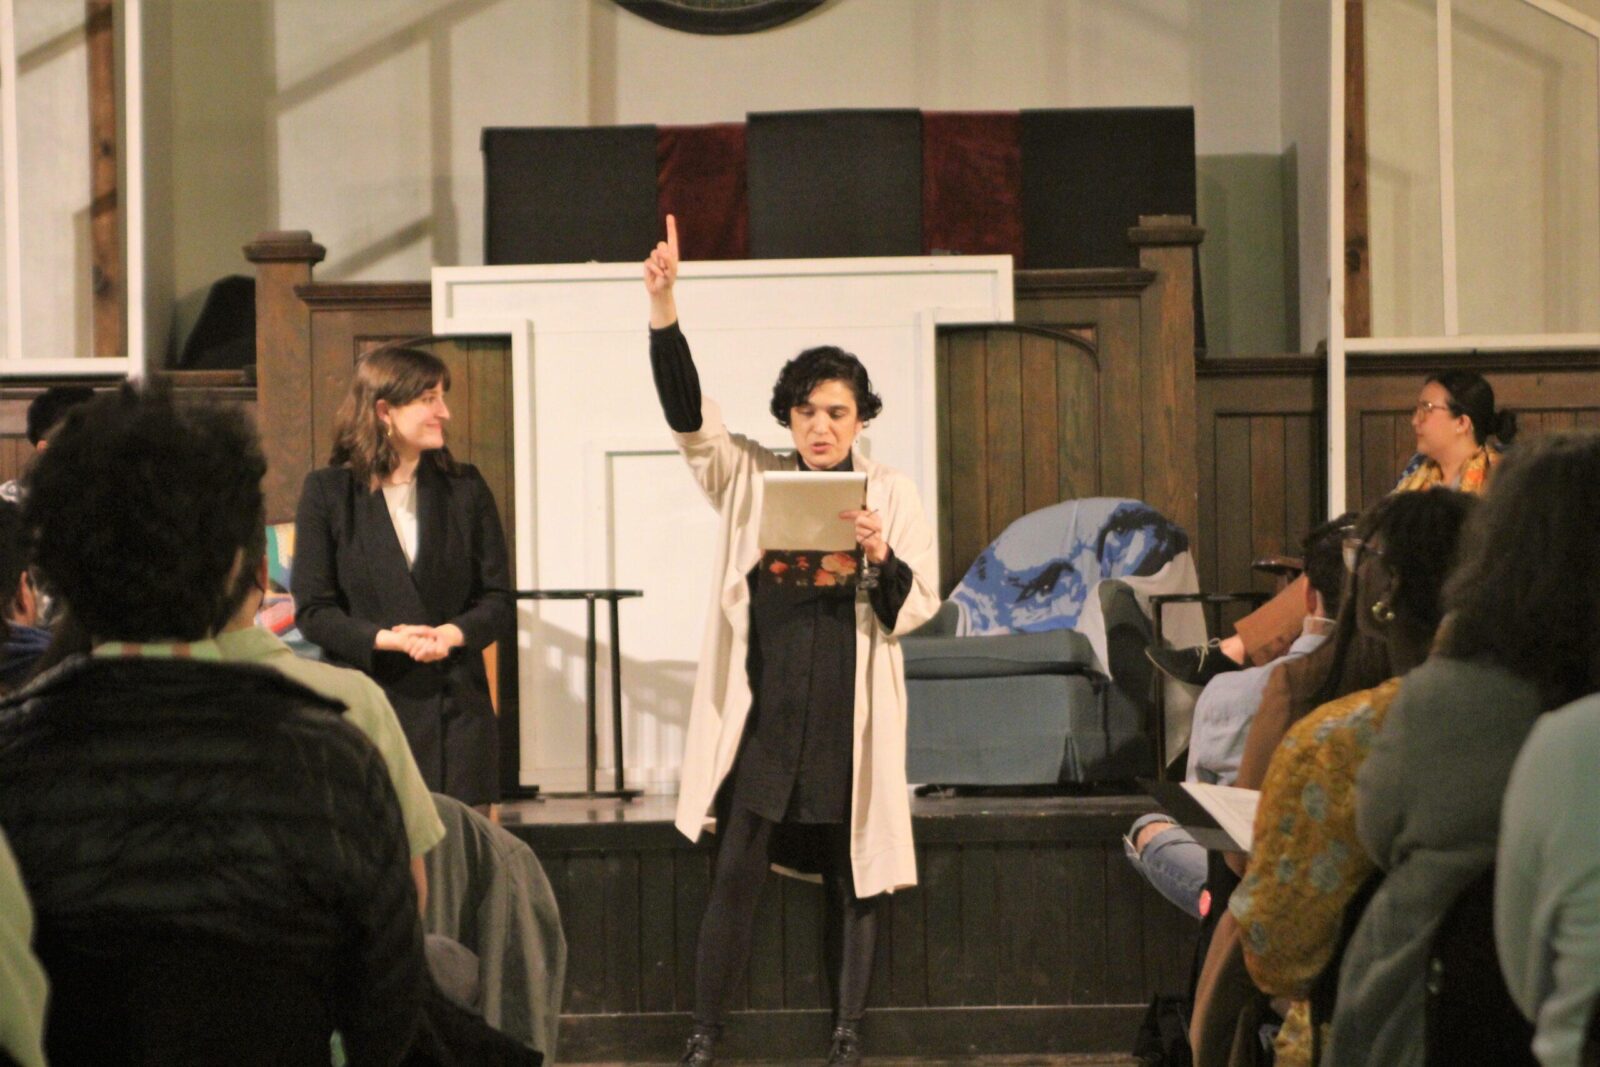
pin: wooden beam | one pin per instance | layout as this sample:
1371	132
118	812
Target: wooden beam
1357	252
108	284
1166	374
283	261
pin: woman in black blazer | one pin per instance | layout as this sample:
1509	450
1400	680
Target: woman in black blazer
400	567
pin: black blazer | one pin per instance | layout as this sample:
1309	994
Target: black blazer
350	580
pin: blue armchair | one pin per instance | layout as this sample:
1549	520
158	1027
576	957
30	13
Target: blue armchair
1033	672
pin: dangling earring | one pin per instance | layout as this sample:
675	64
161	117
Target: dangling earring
1383	612
388	429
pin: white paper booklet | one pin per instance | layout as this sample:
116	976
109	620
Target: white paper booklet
800	509
1232	807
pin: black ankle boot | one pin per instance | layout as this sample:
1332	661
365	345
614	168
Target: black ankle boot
846	1048
701	1050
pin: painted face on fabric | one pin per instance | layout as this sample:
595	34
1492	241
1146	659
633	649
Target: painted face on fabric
419	425
1436	428
825	426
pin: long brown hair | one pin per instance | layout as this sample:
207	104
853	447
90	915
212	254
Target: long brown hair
395	373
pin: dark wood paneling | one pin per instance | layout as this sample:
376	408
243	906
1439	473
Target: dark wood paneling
16	452
1018	415
1262	451
1023	906
657	930
1039	407
1548	390
1002	427
1260	461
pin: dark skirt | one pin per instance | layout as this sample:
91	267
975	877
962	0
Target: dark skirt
449	721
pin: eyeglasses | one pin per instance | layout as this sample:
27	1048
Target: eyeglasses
1425	408
1354	549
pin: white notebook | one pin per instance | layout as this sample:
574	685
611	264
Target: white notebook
800	509
1232	807
1219	817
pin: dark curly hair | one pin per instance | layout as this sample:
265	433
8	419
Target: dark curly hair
1324	557
139	510
51	406
1527	596
1421	534
828	363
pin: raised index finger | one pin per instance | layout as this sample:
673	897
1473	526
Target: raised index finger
672	235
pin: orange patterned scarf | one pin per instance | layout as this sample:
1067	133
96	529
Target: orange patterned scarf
1424	473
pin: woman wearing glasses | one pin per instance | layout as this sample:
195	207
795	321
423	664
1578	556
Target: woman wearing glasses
1460	435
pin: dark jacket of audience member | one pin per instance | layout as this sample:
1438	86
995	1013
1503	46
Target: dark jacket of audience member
211	851
216	859
1521	639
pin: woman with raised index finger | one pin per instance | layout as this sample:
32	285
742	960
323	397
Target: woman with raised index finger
797	725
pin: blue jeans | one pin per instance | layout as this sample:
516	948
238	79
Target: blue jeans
1171	861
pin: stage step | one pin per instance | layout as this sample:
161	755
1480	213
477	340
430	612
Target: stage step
1029	936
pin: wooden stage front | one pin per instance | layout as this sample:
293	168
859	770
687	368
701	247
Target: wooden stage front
1029	934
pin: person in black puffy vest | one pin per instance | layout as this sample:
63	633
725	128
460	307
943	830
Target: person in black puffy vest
216	859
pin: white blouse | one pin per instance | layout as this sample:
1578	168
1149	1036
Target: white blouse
402	504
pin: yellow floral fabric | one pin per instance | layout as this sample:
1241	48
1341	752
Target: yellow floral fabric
1307	861
1424	473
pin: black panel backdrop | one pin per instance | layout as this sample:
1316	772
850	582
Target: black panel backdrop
569	195
1089	173
835	183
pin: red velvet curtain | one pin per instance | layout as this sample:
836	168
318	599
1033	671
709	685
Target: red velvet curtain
700	178
972	182
971	185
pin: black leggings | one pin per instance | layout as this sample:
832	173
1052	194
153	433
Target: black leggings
724	948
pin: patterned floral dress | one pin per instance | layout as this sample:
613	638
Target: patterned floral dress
1308	861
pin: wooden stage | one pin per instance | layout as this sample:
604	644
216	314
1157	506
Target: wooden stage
1029	935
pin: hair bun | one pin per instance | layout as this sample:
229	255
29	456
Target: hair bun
1505	426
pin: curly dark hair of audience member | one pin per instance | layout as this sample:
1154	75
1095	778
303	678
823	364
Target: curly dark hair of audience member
1324	555
1472	395
51	406
802	374
1420	535
398	375
140	510
1527	595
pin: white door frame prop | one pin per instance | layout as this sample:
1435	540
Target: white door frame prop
603	499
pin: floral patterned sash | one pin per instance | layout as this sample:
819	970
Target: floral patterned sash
809	570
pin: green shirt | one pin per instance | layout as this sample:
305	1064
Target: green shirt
22	981
370	712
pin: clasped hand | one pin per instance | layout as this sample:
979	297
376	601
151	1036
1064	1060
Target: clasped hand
425	644
869	534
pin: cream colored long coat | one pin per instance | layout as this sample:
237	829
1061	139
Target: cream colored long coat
728	467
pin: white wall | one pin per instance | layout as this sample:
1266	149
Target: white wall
53	143
361	121
1526	171
1304	58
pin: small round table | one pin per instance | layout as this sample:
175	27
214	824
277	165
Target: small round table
611	597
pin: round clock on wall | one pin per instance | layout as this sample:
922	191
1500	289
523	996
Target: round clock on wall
720	16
